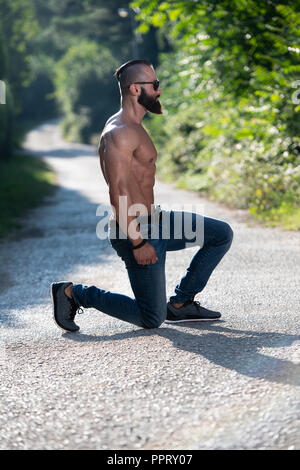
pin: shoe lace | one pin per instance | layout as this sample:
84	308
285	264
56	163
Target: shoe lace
196	303
78	310
75	308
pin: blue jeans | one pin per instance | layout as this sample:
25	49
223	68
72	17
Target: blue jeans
149	307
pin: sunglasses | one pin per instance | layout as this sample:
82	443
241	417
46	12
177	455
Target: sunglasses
155	84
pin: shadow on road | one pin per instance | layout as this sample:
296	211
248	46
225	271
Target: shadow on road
232	349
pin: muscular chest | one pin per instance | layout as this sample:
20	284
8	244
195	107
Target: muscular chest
145	155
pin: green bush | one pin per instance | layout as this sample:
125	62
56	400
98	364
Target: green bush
234	150
86	89
231	128
24	182
6	125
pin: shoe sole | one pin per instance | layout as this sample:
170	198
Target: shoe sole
53	312
195	320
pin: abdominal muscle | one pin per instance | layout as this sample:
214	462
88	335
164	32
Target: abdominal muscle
145	178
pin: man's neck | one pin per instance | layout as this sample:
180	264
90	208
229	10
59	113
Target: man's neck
132	112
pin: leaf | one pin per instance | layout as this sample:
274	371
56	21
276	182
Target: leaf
164	6
158	19
174	14
143	28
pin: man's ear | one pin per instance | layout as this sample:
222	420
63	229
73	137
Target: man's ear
134	89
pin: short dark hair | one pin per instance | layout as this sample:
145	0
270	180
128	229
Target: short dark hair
123	67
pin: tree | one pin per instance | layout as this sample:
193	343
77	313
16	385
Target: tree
63	26
232	127
17	27
86	89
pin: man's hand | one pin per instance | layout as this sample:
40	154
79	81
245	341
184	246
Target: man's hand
145	255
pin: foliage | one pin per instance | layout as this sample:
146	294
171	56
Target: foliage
231	128
86	89
17	27
63	26
24	182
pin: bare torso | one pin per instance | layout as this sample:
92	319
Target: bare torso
142	162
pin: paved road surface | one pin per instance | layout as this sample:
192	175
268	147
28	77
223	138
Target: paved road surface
232	384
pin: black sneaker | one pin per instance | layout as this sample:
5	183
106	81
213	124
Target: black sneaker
190	311
64	308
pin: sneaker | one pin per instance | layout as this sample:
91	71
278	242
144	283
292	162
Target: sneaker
190	311
64	308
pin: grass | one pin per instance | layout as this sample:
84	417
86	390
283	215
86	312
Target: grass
286	216
24	182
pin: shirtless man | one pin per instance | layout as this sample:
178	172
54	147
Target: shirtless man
127	158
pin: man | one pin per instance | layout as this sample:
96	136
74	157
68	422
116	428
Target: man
127	158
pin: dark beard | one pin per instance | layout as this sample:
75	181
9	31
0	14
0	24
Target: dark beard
151	104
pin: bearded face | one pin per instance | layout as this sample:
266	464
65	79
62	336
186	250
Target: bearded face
150	103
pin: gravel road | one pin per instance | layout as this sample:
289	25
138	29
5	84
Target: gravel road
231	384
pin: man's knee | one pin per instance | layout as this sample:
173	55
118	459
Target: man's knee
150	324
154	319
226	232
229	232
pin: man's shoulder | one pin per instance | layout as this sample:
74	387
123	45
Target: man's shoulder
121	135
